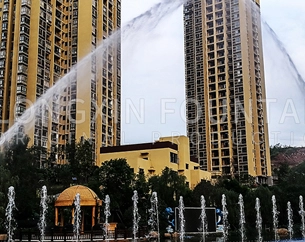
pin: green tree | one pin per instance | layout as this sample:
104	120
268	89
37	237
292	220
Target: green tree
117	178
233	185
23	167
169	187
206	189
81	160
282	172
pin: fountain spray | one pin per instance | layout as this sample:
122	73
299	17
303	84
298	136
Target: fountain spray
77	217
143	23
259	220
290	220
181	218
203	218
302	214
107	215
275	218
225	213
43	212
153	221
10	221
242	219
136	215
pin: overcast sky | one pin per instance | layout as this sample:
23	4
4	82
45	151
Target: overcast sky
153	90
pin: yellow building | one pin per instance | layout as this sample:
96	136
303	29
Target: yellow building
225	88
40	42
152	158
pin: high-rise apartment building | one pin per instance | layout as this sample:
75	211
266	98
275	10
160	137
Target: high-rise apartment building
225	89
40	42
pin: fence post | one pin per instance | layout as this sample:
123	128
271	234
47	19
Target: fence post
52	231
65	234
115	233
29	235
91	234
20	235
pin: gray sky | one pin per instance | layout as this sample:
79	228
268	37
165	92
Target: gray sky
153	91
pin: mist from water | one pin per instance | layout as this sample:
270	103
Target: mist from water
294	70
130	32
285	88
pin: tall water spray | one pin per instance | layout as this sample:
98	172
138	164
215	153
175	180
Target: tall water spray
43	212
290	220
153	221
10	221
302	214
259	221
107	215
141	24
203	217
281	66
275	218
298	77
136	215
77	217
242	218
181	218
225	223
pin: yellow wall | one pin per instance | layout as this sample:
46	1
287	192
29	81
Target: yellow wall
153	161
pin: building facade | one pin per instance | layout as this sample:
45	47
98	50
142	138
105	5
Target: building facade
225	87
41	41
152	158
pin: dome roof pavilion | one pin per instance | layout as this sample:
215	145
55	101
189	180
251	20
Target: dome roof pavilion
87	197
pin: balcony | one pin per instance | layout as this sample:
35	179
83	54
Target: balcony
21	90
25	10
49	8
5	8
22	69
26	2
57	51
2	54
21	79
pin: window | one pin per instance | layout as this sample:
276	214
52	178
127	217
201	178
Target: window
22	68
4	26
24	38
25	19
23	48
21	88
23	59
5	16
173	158
24	29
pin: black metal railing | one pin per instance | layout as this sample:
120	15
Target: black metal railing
65	235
